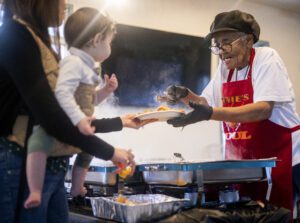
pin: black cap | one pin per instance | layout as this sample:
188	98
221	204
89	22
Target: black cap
235	21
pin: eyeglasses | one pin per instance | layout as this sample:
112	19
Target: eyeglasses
224	47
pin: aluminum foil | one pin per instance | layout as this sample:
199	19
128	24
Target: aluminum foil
145	207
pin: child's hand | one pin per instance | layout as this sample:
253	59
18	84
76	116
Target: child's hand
85	127
111	83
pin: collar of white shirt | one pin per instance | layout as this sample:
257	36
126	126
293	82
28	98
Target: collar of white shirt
85	57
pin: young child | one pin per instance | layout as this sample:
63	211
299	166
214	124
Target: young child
88	34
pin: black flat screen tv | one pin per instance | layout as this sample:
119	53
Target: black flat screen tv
147	61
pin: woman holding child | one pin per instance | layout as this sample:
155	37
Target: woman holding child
28	67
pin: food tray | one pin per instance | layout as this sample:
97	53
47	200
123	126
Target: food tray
146	207
99	175
179	178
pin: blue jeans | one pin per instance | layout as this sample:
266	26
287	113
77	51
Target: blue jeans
54	206
10	168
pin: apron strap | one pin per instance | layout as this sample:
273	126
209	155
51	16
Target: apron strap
296	128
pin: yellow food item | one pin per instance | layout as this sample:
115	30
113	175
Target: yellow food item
121	199
125	172
160	108
147	111
163	108
128	202
181	182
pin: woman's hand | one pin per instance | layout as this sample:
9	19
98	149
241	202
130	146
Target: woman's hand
124	157
200	112
130	121
111	83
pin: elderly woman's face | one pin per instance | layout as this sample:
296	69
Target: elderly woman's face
234	48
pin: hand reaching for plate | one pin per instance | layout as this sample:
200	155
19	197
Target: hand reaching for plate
130	121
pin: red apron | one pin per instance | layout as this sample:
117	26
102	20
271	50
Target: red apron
256	140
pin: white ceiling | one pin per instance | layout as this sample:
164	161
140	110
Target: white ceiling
291	5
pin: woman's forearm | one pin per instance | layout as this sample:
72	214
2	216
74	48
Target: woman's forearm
247	113
107	125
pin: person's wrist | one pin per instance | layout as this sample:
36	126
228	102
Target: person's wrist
185	92
124	121
210	112
108	90
113	155
186	98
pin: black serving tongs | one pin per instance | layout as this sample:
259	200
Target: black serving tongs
165	98
179	156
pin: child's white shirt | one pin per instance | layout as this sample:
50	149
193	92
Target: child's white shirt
74	69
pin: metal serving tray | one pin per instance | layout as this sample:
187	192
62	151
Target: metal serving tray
147	207
179	178
169	173
104	175
221	171
232	175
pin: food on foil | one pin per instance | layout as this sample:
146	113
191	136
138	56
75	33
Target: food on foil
146	207
124	200
121	199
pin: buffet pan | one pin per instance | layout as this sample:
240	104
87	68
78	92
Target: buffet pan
170	173
142	208
182	173
102	175
232	175
179	178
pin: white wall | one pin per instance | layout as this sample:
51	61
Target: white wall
193	17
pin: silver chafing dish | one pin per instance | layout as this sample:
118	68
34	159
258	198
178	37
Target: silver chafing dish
186	174
208	172
166	173
103	175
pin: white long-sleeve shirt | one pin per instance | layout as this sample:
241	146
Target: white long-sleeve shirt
74	69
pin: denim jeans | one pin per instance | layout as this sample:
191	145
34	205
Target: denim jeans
54	206
10	168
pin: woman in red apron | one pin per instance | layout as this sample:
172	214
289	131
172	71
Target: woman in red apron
248	130
256	140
